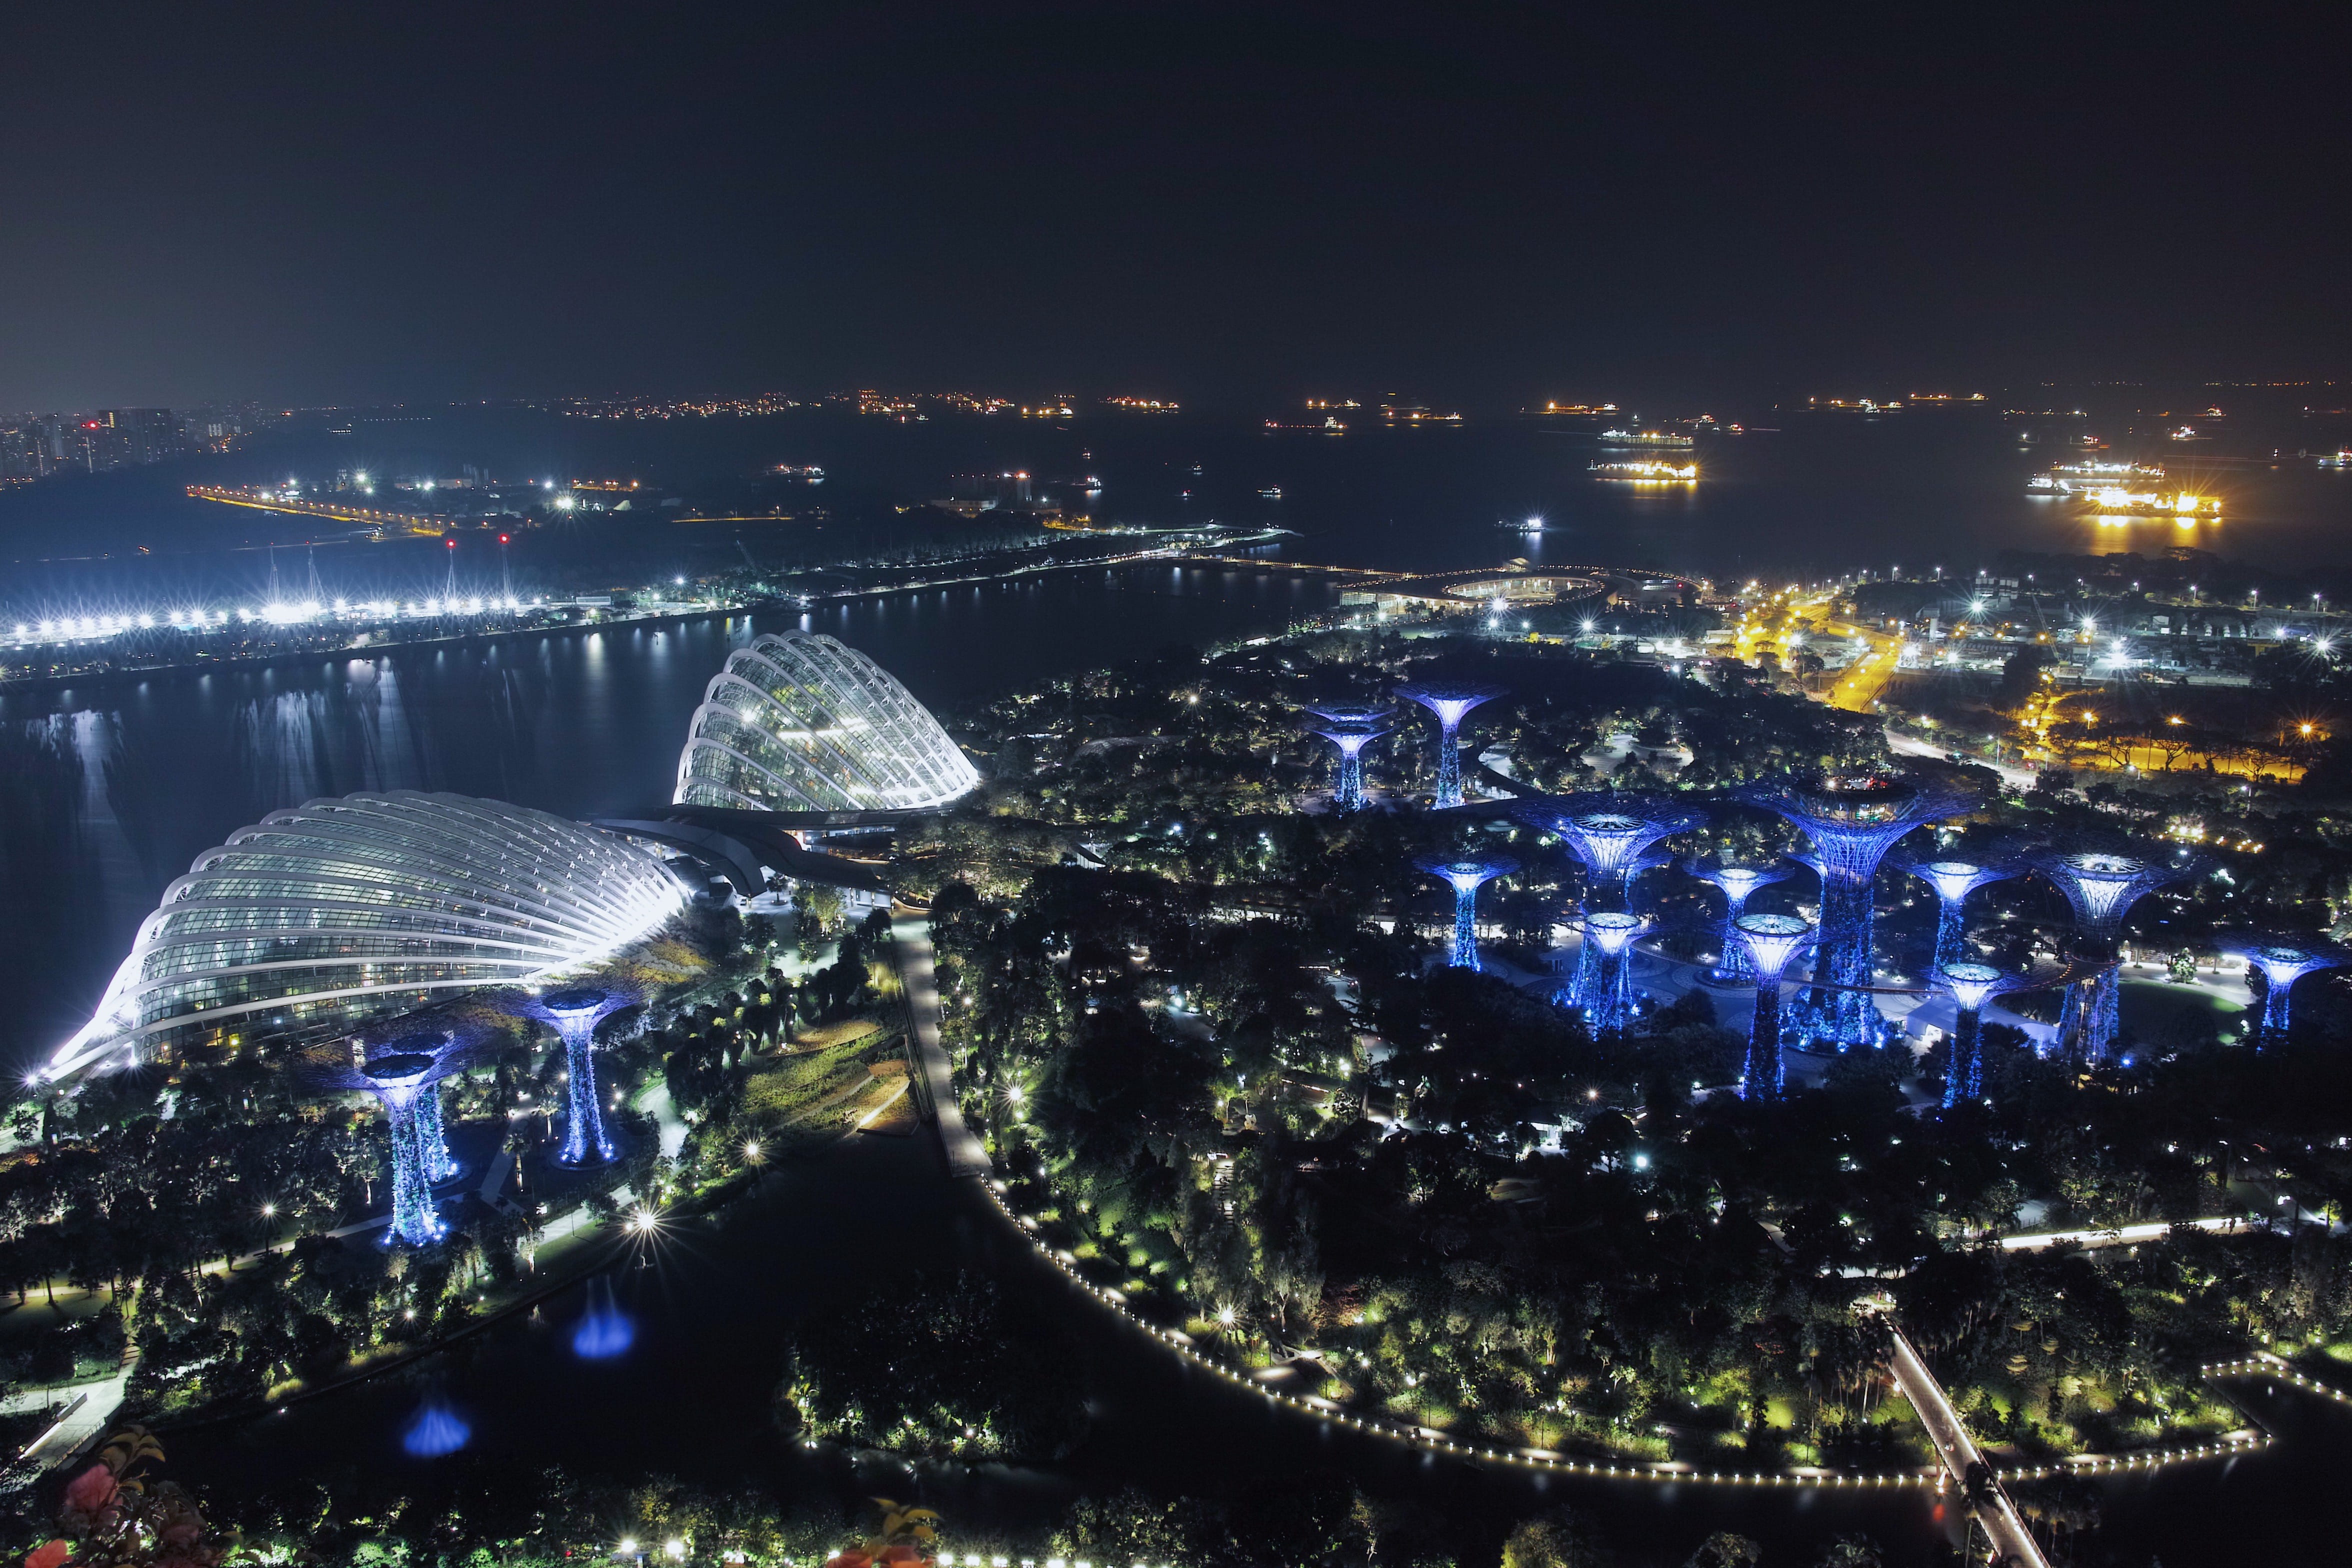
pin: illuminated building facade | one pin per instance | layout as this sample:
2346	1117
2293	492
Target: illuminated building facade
801	723
343	909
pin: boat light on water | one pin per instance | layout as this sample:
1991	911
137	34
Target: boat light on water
1648	473
2182	506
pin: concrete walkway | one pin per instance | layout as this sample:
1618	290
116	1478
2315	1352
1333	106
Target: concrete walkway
1959	1452
910	936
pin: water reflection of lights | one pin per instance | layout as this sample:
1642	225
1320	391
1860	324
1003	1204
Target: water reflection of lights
437	1430
605	1330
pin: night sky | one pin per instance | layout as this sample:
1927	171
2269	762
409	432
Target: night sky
1479	205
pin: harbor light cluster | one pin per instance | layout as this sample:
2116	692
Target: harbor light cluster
277	612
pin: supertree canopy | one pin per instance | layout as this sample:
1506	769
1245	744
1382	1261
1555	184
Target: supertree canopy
404	1075
1450	700
1351	727
575	1011
1608	1003
2102	885
1465	876
1770	941
1852	819
1971	985
1610	831
1953	880
1737	884
2283	959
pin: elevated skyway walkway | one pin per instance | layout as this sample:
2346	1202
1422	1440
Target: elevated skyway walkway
932	1083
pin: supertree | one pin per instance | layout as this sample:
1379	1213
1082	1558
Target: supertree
1737	884
1853	820
1450	700
1465	876
575	1011
2102	886
2283	959
1953	881
1971	985
403	1074
1609	1004
1770	941
1611	833
1351	726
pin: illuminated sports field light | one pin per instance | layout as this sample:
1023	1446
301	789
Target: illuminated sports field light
1771	942
1451	701
1466	876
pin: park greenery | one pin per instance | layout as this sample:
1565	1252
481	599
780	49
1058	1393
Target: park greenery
1219	1071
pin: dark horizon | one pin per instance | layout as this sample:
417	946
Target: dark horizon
1233	208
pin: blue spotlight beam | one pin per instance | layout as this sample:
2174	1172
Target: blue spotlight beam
1465	876
1770	942
1451	701
1853	820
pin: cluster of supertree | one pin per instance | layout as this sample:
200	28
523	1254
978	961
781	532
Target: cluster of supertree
403	1064
1611	832
404	1072
1352	726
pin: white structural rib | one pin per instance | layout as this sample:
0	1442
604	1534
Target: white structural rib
801	723
357	902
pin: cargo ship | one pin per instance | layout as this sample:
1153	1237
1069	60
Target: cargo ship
1650	472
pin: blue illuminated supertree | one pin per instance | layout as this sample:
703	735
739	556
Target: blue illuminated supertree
1971	985
1737	884
1611	833
1465	876
403	1074
2102	886
1769	941
1351	726
1450	700
2283	959
1609	1004
1953	880
1853	820
575	1013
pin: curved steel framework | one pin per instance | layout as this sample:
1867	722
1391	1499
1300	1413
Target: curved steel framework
803	722
2102	886
339	910
1465	876
1608	1003
1853	820
1351	727
1953	881
2283	959
1451	701
1971	985
1737	884
1771	942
